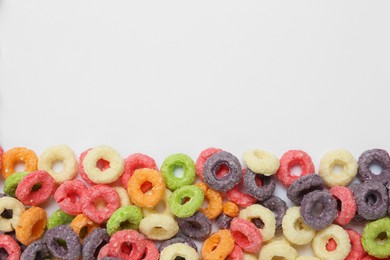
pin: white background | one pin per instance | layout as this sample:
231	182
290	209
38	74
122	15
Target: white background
162	77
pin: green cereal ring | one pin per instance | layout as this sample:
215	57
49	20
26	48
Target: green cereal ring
59	218
11	183
127	217
371	241
188	208
175	161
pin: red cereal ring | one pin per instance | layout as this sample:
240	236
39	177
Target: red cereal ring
357	250
104	193
102	164
15	155
35	188
127	245
246	235
348	204
203	156
288	161
134	162
236	254
69	196
104	251
240	198
10	246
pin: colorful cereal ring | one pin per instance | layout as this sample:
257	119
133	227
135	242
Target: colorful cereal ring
152	197
371	241
214	207
175	161
35	188
69	195
347	202
202	158
15	208
10	246
246	235
290	159
191	192
127	217
31	226
15	155
82	226
134	162
218	246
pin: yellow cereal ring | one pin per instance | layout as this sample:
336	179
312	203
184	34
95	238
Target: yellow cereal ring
8	203
294	229
231	209
59	153
214	207
109	175
266	216
218	246
342	158
159	226
82	226
31	226
153	196
179	250
261	162
161	208
15	155
278	249
339	235
124	199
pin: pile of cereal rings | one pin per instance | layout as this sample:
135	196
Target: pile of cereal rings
131	209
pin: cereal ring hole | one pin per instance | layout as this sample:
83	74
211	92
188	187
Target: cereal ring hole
178	171
295	169
258	181
371	198
317	209
100	203
381	238
126	248
146	186
339	204
179	258
298	225
83	232
238	236
337	167
19	166
36	187
7	213
127	225
185	200
331	245
4	253
57	166
102	164
38	227
375	168
96	253
62	244
258	222
222	170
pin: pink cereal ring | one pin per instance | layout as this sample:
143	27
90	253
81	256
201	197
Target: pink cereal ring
240	198
348	204
134	162
357	250
151	251
10	246
127	245
102	164
288	161
35	188
246	235
203	156
69	196
104	251
236	254
96	193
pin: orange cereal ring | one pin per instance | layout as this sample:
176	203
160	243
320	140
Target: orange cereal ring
82	226
215	201
231	209
31	226
17	155
218	246
153	196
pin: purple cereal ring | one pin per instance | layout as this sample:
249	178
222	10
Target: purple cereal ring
63	233
214	163
93	242
260	192
371	157
304	185
198	226
278	207
36	250
178	239
372	200
223	221
318	209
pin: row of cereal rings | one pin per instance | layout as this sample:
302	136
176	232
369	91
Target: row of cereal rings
103	165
